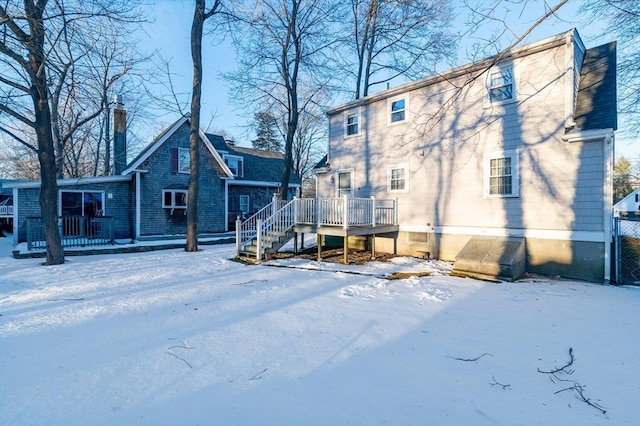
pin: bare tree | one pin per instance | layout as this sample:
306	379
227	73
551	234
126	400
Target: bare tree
393	38
283	46
32	63
200	15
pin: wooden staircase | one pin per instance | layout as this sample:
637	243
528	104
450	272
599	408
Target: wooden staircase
267	231
271	243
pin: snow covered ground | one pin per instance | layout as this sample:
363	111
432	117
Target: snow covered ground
175	338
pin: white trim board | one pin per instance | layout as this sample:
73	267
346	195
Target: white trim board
542	234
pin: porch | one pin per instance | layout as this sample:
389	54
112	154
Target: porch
75	231
272	227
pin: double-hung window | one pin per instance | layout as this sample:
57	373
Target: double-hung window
397	110
244	204
235	164
183	160
352	123
501	174
398	178
501	85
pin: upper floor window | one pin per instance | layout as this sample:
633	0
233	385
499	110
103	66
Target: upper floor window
351	123
180	159
501	174
397	110
398	178
235	164
501	85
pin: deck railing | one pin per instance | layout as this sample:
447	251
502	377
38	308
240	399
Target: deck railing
75	231
280	216
246	231
6	210
346	211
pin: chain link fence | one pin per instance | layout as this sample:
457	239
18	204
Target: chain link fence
627	251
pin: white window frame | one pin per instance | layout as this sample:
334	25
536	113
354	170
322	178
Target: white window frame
492	84
358	116
240	159
174	194
337	182
243	200
513	155
390	111
184	160
390	169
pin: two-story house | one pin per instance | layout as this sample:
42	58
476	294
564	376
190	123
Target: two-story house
515	147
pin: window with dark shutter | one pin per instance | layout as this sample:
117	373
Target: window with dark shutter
174	160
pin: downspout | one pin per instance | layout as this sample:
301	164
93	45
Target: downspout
608	204
15	217
137	230
226	205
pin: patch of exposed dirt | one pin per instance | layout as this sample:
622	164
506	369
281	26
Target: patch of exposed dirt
336	255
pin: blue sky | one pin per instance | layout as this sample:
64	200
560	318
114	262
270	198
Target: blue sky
169	35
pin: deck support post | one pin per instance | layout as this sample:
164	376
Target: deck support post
295	242
302	241
258	239
238	236
373	247
319	241
346	250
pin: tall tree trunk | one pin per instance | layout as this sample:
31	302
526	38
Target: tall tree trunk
46	152
194	138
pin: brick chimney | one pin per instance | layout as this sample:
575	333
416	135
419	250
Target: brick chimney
119	136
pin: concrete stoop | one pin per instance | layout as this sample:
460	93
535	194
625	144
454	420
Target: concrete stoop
501	258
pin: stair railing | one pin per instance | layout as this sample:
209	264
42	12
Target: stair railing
275	226
246	231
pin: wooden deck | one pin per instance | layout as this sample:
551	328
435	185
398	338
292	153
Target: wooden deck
340	217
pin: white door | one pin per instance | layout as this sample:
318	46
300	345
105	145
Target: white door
344	183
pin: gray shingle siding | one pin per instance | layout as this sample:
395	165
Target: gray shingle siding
156	220
120	205
596	105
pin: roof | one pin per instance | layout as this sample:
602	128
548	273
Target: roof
68	182
258	164
629	203
596	103
162	138
322	164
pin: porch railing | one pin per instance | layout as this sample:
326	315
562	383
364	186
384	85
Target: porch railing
246	231
75	231
280	216
346	211
6	210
